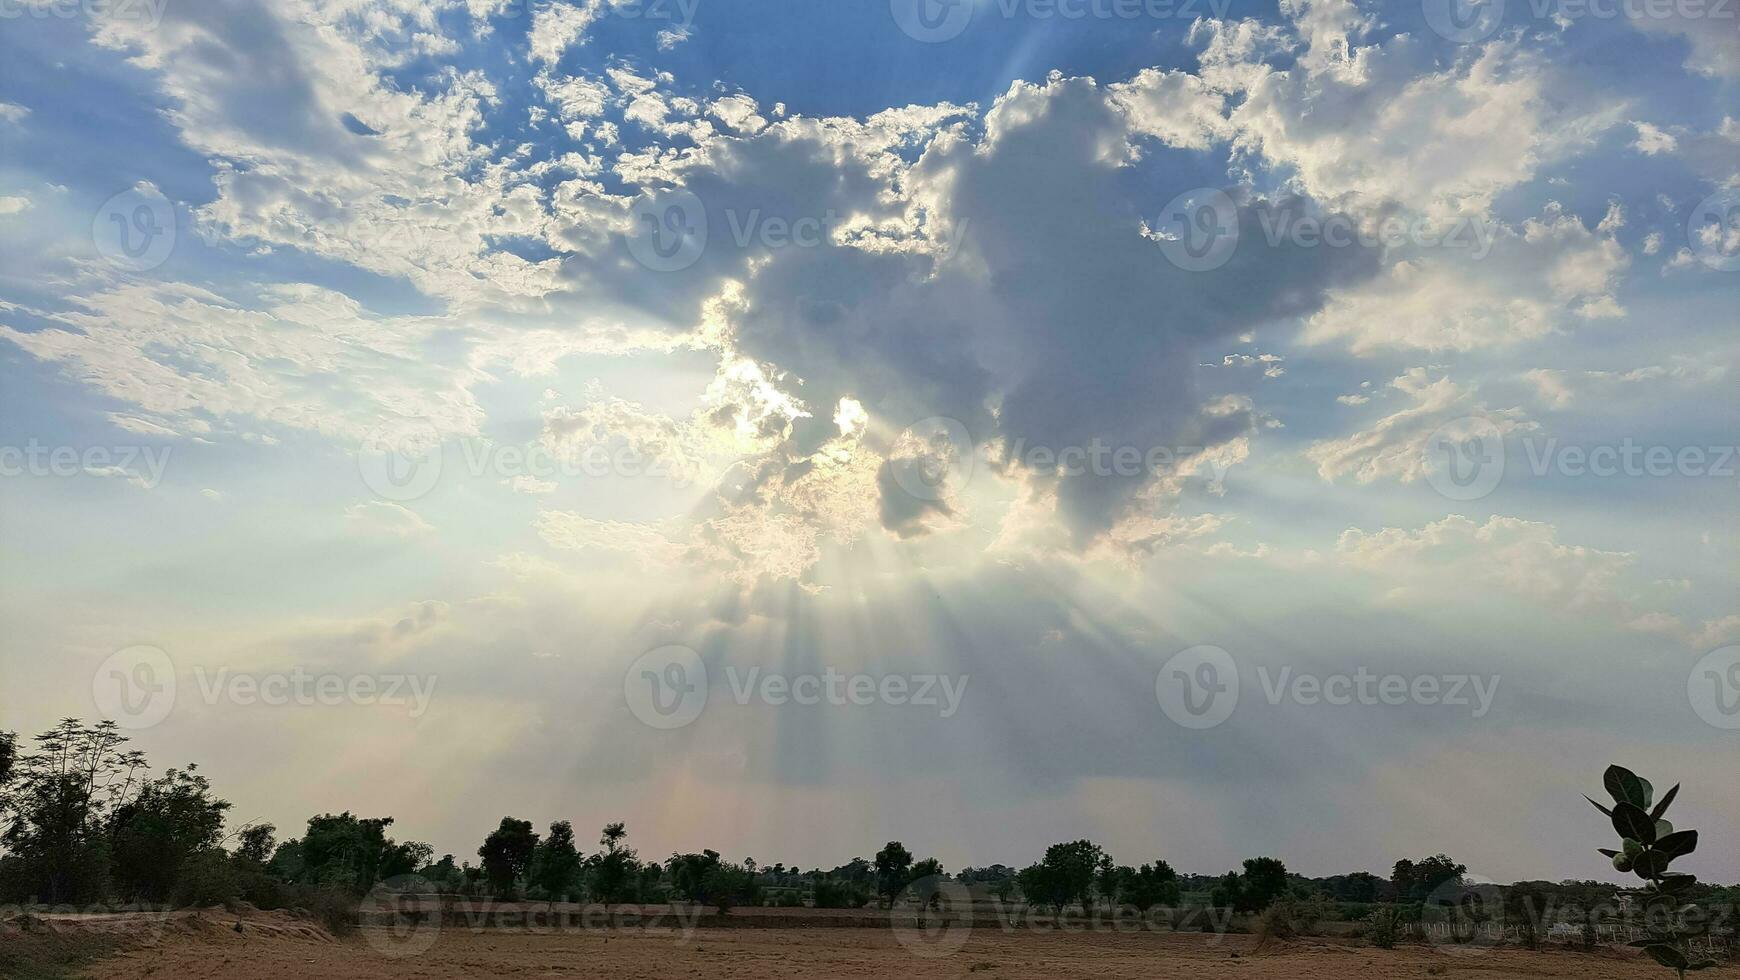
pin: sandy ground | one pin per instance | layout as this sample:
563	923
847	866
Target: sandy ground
207	946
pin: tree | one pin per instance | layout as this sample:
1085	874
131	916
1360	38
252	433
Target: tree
556	862
1110	879
57	806
1229	893
613	869
156	835
1073	867
728	884
347	852
928	868
1151	885
8	756
1360	886
1265	879
507	855
1415	881
254	845
1038	884
924	879
689	874
893	864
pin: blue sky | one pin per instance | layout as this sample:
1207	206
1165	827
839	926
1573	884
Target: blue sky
502	344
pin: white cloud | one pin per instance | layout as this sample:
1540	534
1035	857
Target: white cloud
305	357
1519	557
1549	276
385	517
1395	446
557	24
1560	389
1383	123
645	543
1652	140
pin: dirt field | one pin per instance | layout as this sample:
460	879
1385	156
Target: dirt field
208	946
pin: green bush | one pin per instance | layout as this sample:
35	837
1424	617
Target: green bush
1386	925
1648	844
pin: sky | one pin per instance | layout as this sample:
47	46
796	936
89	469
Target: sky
1210	427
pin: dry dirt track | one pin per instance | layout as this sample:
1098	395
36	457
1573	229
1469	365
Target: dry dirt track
217	952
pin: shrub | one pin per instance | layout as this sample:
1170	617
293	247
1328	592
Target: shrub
1386	925
1279	920
1648	844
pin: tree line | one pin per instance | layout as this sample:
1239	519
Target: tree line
82	821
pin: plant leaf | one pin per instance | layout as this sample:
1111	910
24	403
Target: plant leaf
1599	807
1678	844
1661	807
1630	820
1624	786
1668	956
1649	864
1607	852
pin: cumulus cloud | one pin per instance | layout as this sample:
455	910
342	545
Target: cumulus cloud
1384	123
1493	286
